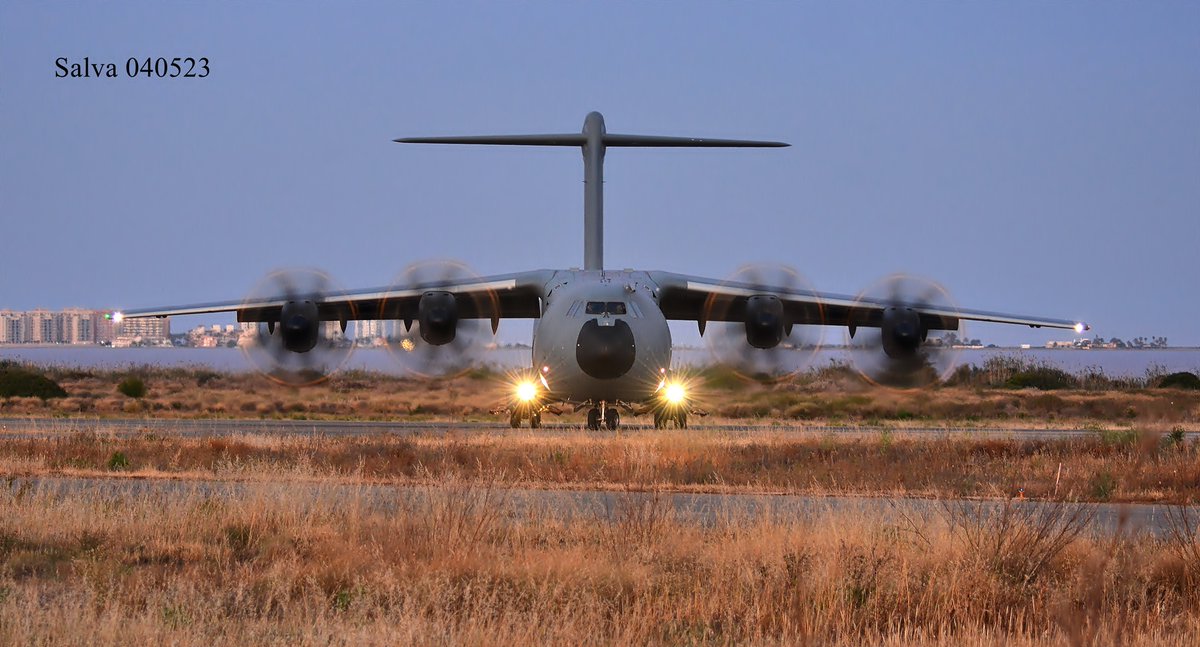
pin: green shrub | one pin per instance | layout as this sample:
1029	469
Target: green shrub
1119	437
1174	438
1181	380
16	381
118	461
1045	378
204	377
132	386
1103	486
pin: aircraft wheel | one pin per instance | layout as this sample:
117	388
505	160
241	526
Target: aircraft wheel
535	421
514	419
593	421
612	419
660	419
681	419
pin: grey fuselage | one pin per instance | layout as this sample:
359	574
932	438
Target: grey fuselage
602	355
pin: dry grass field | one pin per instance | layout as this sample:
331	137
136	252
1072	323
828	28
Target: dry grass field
307	553
456	563
1001	393
1101	466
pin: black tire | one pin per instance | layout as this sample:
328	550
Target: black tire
535	421
593	420
612	419
681	420
514	419
660	419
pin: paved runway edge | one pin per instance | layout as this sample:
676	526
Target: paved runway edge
33	427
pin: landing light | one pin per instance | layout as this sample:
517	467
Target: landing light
1080	327
526	391
117	317
674	393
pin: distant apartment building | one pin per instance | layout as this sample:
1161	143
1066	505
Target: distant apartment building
41	327
371	332
12	327
70	326
151	331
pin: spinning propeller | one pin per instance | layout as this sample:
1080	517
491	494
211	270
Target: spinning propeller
297	348
446	333
755	335
902	351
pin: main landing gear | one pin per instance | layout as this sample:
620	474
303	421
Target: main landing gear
602	417
663	417
514	418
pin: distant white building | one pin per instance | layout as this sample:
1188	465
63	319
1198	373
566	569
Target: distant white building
151	330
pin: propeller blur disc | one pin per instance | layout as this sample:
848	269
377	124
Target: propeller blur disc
725	332
931	361
264	346
473	334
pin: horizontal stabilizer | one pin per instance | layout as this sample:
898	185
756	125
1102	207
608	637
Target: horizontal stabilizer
579	139
568	139
685	142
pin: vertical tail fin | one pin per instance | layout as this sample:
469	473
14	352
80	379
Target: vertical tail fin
594	140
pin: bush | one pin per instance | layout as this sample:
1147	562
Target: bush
1175	438
118	461
1019	373
133	387
1181	380
1119	437
1045	378
1103	486
204	377
16	381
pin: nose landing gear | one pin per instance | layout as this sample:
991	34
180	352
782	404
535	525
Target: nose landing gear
603	417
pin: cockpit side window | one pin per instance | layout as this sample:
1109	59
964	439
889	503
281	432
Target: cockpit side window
615	307
595	307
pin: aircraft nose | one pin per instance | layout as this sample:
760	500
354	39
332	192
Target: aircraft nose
605	352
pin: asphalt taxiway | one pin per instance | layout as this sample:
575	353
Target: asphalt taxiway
616	506
41	427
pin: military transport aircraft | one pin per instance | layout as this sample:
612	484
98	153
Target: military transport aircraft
601	340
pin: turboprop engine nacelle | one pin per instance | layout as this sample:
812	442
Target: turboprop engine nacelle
902	332
765	325
437	313
299	326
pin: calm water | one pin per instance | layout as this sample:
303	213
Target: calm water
1129	363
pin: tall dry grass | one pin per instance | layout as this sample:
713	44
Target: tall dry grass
1101	466
456	562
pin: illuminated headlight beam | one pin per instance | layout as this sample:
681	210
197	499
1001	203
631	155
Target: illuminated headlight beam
674	393
527	391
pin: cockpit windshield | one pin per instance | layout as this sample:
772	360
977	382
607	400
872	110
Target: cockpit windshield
605	307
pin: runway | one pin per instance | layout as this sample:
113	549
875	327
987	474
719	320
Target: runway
615	506
16	427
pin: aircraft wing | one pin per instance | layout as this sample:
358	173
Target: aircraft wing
504	296
691	298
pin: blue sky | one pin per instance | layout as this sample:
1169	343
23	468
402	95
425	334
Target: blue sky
1036	158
